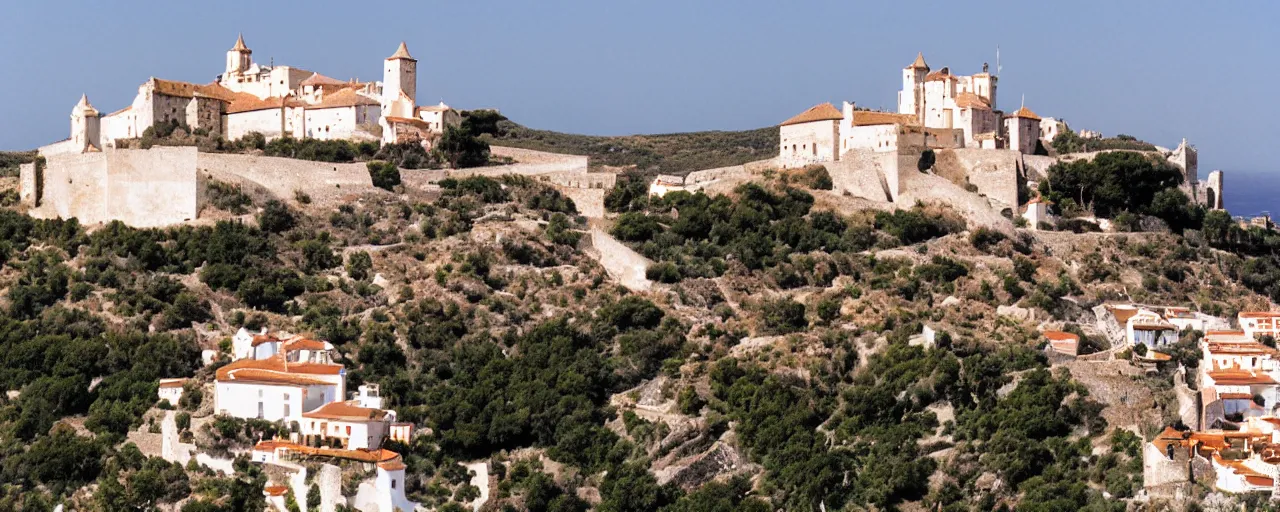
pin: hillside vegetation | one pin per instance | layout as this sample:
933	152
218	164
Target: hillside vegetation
671	153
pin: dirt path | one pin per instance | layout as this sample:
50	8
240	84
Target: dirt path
481	481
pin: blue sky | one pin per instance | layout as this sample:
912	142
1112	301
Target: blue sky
1159	71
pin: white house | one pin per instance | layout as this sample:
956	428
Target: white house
300	377
664	183
171	390
1258	323
390	486
348	425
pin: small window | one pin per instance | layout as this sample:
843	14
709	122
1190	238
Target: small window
393	483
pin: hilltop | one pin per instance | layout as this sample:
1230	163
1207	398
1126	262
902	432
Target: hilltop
670	153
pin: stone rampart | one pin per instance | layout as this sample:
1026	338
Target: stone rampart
142	188
282	177
1159	469
622	263
994	172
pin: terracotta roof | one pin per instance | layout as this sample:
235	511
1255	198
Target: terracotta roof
240	46
1025	113
1259	314
1239	378
251	103
919	62
342	98
819	112
172	383
1060	335
873	118
344	411
1238	348
943	74
1169	436
402	53
319	79
971	100
409	121
1122	314
305	344
366	456
275	490
1260	481
1235	396
275	369
435	108
392	465
1157	356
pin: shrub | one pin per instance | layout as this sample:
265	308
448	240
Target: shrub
275	217
385	175
783	316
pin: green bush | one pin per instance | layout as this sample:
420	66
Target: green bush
385	175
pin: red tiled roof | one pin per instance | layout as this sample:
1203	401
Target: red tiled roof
409	121
275	490
1259	314
943	74
971	100
342	98
874	118
343	411
1239	378
276	370
1060	335
919	62
1025	113
820	112
172	383
319	79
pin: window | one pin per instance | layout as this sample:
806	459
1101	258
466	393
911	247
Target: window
393	483
348	429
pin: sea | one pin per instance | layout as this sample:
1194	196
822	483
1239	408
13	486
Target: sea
1251	193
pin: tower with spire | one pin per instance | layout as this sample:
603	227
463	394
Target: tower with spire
239	57
400	83
911	97
86	125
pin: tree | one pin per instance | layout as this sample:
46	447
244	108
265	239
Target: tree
385	175
358	265
1176	209
313	498
1217	226
783	316
461	148
275	217
927	159
1111	182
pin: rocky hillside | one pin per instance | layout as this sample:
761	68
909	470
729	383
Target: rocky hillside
777	363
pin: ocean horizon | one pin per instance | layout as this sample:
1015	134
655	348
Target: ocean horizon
1251	193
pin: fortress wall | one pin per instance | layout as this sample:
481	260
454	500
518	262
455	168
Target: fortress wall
27	184
861	173
588	201
994	172
151	188
281	177
75	185
1037	166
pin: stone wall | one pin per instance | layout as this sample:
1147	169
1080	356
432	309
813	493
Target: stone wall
27	184
281	177
622	263
994	172
142	188
1158	469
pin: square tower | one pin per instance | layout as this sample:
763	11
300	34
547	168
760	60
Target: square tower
400	76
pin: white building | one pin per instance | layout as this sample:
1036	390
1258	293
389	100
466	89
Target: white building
296	377
1259	323
1037	212
943	100
171	390
810	137
1023	129
1050	128
664	183
276	101
346	425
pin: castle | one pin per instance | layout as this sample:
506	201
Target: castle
942	111
276	101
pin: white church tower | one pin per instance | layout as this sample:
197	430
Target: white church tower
400	83
239	57
86	125
911	97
